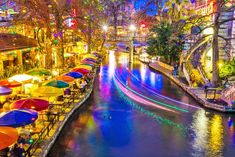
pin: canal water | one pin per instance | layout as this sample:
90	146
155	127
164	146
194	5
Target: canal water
135	112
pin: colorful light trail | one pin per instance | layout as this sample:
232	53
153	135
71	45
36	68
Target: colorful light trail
149	88
153	115
150	101
141	98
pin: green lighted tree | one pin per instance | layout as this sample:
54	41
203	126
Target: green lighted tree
228	69
166	42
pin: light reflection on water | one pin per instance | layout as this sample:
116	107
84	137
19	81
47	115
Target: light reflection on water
143	69
216	136
200	130
113	126
208	134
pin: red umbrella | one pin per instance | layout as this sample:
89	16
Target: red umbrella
30	103
81	70
10	84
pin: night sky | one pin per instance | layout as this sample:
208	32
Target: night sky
152	9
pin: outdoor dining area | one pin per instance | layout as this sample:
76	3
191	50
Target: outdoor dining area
32	104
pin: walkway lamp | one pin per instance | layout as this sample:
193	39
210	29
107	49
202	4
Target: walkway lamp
105	30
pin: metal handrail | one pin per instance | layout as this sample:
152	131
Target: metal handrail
33	147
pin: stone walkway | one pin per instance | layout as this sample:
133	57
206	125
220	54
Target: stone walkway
197	93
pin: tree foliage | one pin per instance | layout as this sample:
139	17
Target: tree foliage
228	69
113	9
166	42
49	16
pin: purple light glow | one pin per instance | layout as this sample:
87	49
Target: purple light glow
141	100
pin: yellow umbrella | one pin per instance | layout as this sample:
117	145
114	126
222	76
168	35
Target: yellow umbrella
48	91
91	56
87	67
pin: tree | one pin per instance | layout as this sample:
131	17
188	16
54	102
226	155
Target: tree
228	69
220	7
46	16
113	7
166	42
90	16
50	16
177	10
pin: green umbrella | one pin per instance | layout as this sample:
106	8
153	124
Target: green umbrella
57	84
39	72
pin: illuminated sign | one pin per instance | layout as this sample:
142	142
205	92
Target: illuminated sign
205	9
70	22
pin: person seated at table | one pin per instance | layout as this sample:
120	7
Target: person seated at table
86	78
60	98
4	152
82	85
24	132
21	140
67	91
20	150
75	85
226	83
14	150
207	85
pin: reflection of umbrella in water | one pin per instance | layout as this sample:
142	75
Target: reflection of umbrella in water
75	75
30	103
65	78
10	84
8	136
48	91
57	84
39	72
81	70
5	90
18	118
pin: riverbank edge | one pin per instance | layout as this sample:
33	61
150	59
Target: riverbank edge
203	102
47	148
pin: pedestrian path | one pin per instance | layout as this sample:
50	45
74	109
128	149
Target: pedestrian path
197	93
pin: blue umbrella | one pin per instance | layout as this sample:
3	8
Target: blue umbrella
18	118
74	74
